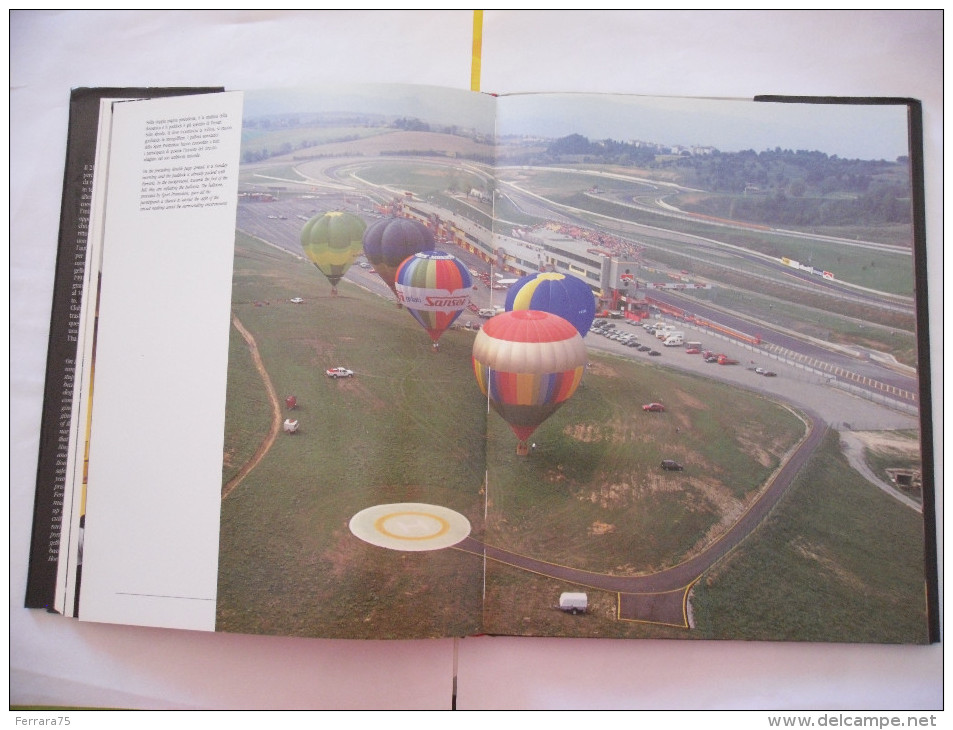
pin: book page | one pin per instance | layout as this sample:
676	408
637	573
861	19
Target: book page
150	554
745	441
71	533
352	494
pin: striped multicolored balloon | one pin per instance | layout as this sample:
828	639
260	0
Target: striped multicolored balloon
528	363
435	287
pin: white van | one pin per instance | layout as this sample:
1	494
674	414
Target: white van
674	339
573	602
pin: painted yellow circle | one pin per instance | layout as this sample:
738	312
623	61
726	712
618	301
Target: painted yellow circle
412	525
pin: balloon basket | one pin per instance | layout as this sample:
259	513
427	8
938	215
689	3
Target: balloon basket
522	448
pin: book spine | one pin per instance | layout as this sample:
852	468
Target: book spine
62	349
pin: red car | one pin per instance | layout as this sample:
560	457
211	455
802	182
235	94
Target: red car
692	351
657	407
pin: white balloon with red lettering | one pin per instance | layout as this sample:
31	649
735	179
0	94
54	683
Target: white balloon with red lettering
435	287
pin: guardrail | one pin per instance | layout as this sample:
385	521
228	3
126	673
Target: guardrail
821	376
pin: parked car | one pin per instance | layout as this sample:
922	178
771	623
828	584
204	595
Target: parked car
339	373
692	351
769	374
296	300
654	353
671	465
656	407
644	348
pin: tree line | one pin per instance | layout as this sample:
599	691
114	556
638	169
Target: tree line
781	186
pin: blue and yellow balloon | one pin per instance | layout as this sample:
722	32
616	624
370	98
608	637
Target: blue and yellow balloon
562	294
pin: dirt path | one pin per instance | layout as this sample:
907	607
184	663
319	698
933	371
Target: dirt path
853	447
269	440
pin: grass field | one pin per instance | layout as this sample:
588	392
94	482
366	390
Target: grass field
423	179
412	426
593	496
837	561
287	140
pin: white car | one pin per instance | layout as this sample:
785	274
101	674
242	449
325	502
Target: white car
339	373
297	300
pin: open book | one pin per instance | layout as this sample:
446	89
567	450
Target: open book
405	362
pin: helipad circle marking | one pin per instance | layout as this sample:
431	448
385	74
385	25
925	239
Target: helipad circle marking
410	526
403	529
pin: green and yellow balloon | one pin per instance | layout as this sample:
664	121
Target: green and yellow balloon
331	242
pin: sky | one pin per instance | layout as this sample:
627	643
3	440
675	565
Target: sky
860	131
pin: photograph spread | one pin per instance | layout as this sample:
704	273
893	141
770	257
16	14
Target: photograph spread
559	365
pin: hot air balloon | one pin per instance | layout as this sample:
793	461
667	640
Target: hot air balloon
562	294
389	241
332	241
435	287
528	363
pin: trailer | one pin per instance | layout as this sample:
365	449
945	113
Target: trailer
573	603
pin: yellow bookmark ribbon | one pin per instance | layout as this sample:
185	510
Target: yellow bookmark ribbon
477	50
